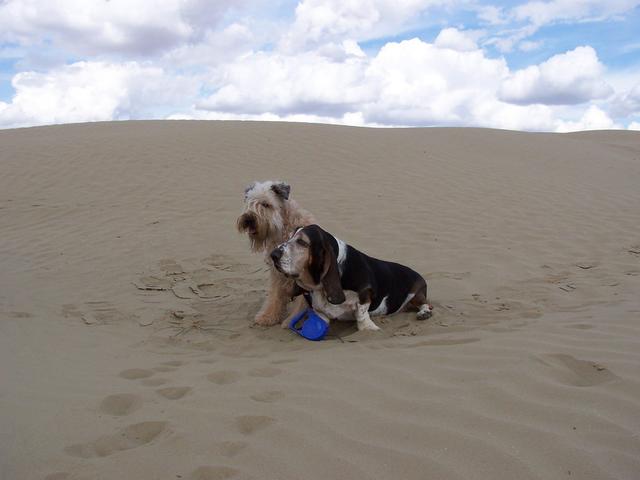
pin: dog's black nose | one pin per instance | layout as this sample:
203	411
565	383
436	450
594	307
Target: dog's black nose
249	222
276	254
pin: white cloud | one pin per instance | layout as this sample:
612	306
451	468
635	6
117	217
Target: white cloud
92	91
349	118
141	27
411	83
491	14
529	46
340	52
627	102
569	78
456	40
540	13
407	83
324	21
290	84
526	19
214	47
416	83
634	126
312	69
506	41
593	119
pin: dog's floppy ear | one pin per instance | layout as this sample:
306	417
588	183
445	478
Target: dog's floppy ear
282	190
323	265
331	280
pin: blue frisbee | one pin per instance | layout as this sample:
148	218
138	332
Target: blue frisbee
309	325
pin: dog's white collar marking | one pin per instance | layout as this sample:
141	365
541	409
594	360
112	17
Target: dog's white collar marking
342	254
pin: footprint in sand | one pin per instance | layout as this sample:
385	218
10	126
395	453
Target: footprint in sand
224	377
218	289
248	424
231	449
173	363
575	372
70	310
135	373
451	275
284	360
171	267
103	313
154	382
444	342
268	397
213	473
152	283
130	437
580	326
173	393
59	476
63	476
120	404
96	313
265	372
228	264
164	368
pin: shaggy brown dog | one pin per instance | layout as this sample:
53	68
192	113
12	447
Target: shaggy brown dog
269	218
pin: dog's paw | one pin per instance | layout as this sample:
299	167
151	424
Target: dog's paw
370	326
425	312
266	320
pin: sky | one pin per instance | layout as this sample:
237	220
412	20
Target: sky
547	65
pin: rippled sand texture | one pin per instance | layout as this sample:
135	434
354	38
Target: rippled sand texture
126	299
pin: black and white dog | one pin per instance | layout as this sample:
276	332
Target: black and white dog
346	284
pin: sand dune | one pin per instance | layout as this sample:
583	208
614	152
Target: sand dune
126	298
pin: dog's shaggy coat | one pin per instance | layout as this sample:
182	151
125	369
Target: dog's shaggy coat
269	218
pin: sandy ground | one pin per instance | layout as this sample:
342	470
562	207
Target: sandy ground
126	298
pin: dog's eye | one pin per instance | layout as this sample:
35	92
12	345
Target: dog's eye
265	205
302	243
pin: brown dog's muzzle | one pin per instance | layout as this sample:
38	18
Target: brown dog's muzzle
247	222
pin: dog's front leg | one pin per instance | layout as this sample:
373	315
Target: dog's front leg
299	305
275	304
363	318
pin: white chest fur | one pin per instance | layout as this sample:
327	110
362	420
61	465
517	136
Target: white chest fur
345	311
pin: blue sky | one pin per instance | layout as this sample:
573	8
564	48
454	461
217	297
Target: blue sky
558	65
